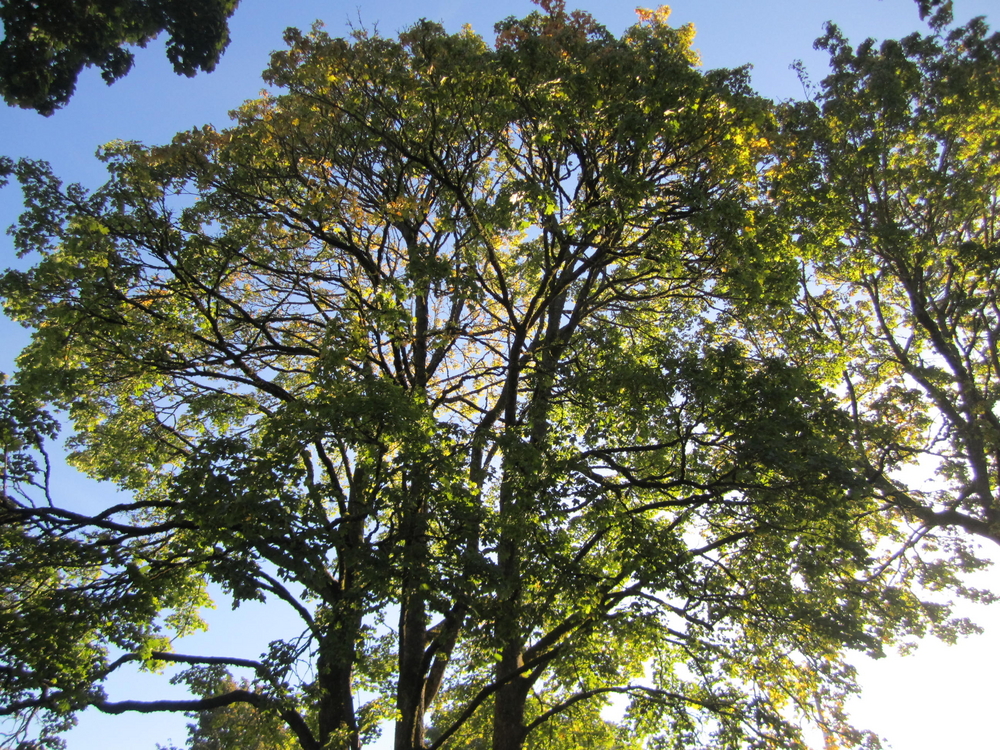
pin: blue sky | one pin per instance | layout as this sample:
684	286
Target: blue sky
922	702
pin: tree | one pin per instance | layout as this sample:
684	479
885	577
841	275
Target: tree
425	349
47	43
892	174
238	726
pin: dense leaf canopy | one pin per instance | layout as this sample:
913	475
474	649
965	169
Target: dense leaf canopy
517	374
47	43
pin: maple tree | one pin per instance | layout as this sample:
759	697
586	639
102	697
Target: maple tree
434	349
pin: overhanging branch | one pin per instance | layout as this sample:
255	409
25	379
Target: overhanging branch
200	704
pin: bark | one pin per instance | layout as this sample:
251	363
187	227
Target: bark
410	699
410	685
336	704
509	730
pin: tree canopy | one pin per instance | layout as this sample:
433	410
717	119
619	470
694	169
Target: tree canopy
528	377
892	176
47	43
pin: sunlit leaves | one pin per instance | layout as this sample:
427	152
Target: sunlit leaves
894	172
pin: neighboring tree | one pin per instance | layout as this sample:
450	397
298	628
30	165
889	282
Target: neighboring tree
47	43
893	177
238	726
425	350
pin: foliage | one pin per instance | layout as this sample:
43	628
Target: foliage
235	727
938	13
47	43
893	175
440	335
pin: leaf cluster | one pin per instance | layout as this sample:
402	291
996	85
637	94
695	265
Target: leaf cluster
47	44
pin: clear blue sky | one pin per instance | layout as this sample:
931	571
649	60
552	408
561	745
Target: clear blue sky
943	697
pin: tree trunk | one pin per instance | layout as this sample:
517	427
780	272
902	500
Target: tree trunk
412	617
410	684
508	712
336	705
